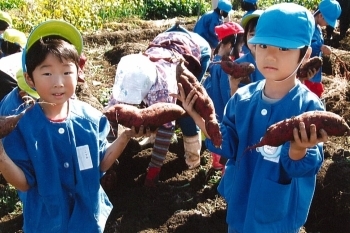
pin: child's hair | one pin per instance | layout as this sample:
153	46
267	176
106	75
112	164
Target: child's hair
236	41
249	27
9	48
3	25
55	45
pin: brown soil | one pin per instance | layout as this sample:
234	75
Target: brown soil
187	200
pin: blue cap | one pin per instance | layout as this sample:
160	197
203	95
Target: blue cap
225	5
251	1
249	16
330	10
285	25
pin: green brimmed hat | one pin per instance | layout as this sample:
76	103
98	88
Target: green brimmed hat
54	27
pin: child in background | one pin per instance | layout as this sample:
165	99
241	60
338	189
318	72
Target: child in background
249	23
206	24
217	85
156	72
270	189
58	151
5	23
327	14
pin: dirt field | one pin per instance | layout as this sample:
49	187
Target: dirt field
187	200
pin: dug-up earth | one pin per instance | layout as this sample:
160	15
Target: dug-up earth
187	200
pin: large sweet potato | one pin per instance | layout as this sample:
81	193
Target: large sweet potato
282	131
312	63
203	105
151	117
236	70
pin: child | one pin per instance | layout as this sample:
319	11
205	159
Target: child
156	72
217	85
269	189
5	22
58	151
327	13
206	24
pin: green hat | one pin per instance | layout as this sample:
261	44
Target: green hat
14	36
4	16
22	84
54	27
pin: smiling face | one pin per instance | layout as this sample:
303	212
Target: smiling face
55	80
276	63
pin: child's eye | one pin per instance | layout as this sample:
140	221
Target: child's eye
263	46
283	49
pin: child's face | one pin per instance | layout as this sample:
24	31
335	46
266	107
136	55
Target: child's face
276	63
55	80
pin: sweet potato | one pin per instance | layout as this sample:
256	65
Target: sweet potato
312	63
282	131
236	70
203	105
153	116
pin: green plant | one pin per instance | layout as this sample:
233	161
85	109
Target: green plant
9	201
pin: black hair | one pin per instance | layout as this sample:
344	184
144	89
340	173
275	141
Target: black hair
3	25
236	41
303	51
54	45
221	12
9	48
248	28
247	6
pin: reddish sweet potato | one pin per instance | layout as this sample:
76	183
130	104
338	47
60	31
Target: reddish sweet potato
312	63
282	131
236	70
203	105
152	116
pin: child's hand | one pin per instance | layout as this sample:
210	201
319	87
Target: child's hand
301	141
132	132
326	50
187	101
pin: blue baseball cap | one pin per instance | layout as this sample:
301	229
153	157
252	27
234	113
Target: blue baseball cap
285	25
251	1
225	5
249	16
330	10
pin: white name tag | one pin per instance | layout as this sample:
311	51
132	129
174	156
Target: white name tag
84	157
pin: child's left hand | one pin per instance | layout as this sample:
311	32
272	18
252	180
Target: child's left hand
301	141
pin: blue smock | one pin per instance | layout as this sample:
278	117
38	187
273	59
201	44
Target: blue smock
205	27
265	190
316	43
61	162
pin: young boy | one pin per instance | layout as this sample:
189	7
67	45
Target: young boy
206	24
269	189
327	14
58	151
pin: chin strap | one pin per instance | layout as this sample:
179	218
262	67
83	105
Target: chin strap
296	69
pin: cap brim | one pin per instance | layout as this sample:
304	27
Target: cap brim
276	42
248	17
57	28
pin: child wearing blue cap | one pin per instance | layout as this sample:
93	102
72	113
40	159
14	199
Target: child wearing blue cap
270	189
327	14
206	24
58	151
